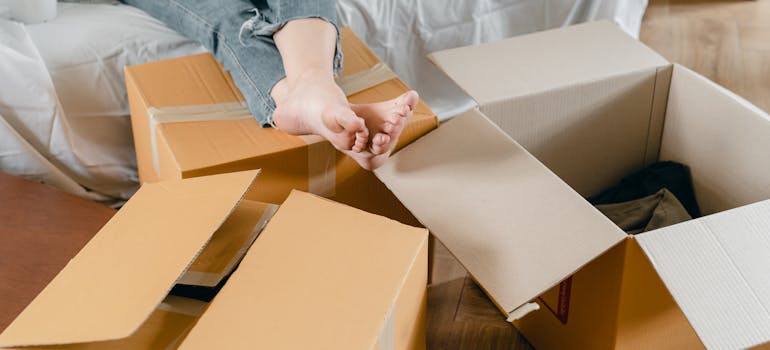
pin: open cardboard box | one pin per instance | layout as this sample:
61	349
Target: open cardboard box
312	261
189	119
587	105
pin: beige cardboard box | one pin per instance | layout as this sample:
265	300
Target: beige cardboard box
190	120
313	279
588	105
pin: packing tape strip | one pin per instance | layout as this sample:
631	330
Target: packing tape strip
321	155
221	111
322	174
321	166
182	305
387	335
355	83
522	311
212	279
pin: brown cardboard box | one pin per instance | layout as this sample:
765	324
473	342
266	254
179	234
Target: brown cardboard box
313	272
190	120
588	105
41	229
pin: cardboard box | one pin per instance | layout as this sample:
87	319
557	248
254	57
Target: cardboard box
312	262
190	120
589	105
41	230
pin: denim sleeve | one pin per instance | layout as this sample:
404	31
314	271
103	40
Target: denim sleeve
271	15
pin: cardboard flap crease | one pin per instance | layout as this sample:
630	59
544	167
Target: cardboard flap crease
717	268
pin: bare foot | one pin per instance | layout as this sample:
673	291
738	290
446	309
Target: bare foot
385	121
314	104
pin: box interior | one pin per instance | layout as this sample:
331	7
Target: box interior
592	113
722	139
594	134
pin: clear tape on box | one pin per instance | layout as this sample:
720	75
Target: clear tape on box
321	155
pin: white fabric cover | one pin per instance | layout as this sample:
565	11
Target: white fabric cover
64	117
63	96
402	32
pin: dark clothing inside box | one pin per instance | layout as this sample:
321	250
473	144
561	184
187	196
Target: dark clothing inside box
657	196
669	175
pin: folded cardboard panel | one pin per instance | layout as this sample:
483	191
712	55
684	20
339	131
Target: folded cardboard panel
315	271
647	314
553	125
578	313
705	122
718	271
515	226
551	90
202	127
165	328
111	287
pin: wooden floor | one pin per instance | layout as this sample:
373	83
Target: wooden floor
728	41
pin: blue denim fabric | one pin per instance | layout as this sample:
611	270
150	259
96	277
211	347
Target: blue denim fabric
240	34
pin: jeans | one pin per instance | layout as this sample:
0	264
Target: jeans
240	34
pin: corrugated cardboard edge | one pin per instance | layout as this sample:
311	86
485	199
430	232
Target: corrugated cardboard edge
139	126
209	279
386	340
716	269
658	113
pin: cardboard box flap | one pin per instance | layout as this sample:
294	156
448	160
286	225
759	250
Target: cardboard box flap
717	268
544	61
514	225
116	281
335	261
704	123
229	244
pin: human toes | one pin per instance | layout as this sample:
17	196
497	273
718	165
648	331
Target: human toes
361	139
401	110
408	99
380	143
368	161
346	130
353	125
